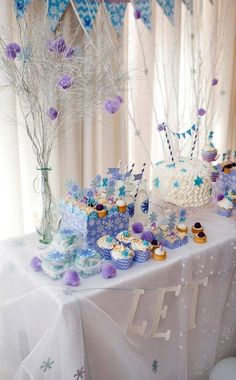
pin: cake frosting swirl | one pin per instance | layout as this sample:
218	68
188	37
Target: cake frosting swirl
106	242
120	252
140	245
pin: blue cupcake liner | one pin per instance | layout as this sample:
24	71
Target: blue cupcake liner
141	257
105	253
122	264
184	240
222	212
170	245
125	244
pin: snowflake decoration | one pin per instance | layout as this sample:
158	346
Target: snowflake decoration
89	193
100	229
156	182
122	191
46	364
159	236
183	170
137	132
198	181
145	206
155	366
170	166
105	182
96	182
171	222
182	215
176	184
110	191
131	210
55	255
153	217
210	136
79	374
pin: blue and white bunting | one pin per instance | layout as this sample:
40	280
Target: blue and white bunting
116	12
87	11
189	5
168	7
145	7
56	9
189	132
21	7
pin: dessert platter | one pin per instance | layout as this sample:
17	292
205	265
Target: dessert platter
99	231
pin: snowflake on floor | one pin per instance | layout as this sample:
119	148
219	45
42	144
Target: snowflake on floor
156	182
155	366
47	364
79	374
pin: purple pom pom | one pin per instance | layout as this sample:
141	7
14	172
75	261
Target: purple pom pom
161	127
65	82
69	52
220	197
12	50
119	99
36	264
147	235
52	113
137	228
214	82
111	105
137	14
71	278
108	271
201	112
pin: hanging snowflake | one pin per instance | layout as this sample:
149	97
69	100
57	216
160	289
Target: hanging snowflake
46	364
145	206
79	374
153	217
182	215
171	222
155	366
122	191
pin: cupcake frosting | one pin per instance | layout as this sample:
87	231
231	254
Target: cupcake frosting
106	242
125	237
182	226
121	252
120	203
209	148
160	251
140	245
225	203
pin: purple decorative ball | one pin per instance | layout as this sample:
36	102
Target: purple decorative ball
220	197
119	99
52	113
111	106
147	235
201	112
214	82
65	82
71	278
36	264
137	14
12	50
137	228
59	45
161	127
99	207
108	271
69	52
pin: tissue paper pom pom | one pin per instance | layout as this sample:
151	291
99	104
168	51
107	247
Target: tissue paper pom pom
137	14
36	264
65	82
147	235
137	228
52	113
12	50
108	271
71	278
119	99
214	82
201	112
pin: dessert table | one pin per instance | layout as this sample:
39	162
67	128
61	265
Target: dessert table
168	320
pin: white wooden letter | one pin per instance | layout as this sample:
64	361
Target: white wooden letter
195	286
161	310
131	328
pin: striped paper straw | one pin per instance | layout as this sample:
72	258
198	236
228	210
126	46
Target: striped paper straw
139	182
194	143
169	146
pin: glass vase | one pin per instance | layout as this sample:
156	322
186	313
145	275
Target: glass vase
45	214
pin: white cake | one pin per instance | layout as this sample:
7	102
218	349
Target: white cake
185	183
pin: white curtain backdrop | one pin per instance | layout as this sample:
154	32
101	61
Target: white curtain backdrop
162	91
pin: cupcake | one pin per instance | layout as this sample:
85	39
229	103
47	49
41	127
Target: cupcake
122	257
121	205
142	250
200	238
182	227
209	153
106	244
225	207
171	241
227	168
196	228
125	238
159	254
102	212
215	173
233	197
154	244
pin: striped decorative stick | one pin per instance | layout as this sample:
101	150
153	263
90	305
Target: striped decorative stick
140	176
194	143
168	143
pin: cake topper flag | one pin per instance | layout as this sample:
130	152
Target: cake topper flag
168	7
116	12
21	7
87	11
144	8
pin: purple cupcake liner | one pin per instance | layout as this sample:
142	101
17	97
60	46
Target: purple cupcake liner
170	245
209	157
224	212
105	253
214	176
141	257
122	264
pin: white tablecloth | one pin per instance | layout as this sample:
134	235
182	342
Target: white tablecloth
50	331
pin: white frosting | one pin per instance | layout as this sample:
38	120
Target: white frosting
121	252
160	251
124	237
186	183
120	203
225	203
209	148
182	226
106	242
140	245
